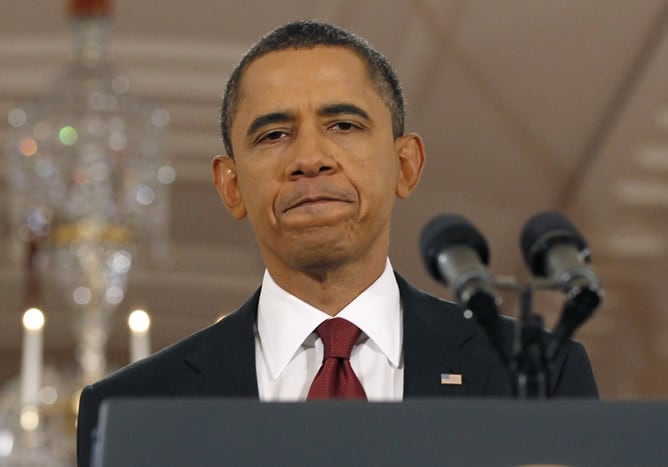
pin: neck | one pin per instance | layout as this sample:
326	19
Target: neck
330	289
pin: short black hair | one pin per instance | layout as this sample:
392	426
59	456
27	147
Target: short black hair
306	35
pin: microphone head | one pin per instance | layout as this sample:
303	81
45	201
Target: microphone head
445	231
541	233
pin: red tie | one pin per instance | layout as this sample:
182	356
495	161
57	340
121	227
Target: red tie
336	378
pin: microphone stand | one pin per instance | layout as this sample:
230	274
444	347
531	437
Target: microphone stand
533	352
529	365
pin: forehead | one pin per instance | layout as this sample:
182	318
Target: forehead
291	75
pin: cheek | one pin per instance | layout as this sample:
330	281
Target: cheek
375	179
258	193
381	169
260	201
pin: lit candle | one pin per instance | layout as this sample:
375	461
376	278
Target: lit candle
140	341
31	363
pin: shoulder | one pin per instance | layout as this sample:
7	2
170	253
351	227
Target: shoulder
162	372
411	297
437	313
155	372
429	318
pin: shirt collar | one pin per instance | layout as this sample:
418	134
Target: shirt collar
284	321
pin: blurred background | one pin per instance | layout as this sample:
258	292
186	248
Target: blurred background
524	106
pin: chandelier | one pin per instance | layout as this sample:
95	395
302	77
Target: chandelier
88	185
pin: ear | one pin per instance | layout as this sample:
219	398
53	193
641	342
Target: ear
410	151
227	184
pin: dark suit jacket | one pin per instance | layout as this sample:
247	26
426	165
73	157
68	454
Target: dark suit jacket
220	361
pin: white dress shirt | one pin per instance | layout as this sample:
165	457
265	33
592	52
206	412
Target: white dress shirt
289	353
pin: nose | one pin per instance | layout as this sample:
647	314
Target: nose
312	155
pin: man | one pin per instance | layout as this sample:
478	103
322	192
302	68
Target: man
312	122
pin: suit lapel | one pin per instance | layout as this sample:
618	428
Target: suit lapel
224	358
439	340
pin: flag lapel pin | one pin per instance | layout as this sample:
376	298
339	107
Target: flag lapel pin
451	378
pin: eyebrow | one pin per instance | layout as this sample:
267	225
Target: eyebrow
338	109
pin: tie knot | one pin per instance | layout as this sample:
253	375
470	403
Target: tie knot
338	337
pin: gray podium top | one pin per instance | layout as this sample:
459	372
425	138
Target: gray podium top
219	432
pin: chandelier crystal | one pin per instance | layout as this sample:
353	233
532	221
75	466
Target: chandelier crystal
88	187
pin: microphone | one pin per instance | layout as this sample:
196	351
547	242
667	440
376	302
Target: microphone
555	250
455	253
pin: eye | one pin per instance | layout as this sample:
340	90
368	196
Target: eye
345	126
271	136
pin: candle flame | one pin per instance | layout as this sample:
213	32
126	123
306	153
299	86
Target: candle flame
139	321
29	419
33	319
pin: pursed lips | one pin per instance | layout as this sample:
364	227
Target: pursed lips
313	200
312	192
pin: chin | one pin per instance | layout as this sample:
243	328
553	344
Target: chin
320	252
319	259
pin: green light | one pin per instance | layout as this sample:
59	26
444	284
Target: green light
68	135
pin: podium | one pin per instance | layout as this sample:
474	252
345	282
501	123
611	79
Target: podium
469	432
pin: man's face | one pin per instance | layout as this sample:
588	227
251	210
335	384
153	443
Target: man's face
316	166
